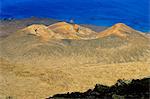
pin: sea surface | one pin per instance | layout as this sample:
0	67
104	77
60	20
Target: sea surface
134	13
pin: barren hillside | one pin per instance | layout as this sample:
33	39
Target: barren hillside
37	63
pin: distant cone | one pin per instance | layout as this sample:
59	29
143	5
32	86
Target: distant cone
60	30
40	30
72	31
120	30
65	29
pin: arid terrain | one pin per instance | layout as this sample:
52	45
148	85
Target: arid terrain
43	57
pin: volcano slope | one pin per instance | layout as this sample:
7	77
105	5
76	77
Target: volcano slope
10	26
34	68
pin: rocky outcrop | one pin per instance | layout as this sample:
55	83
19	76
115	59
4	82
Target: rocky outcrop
135	89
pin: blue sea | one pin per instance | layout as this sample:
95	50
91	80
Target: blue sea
134	13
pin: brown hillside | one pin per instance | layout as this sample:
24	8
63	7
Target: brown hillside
64	29
40	30
72	31
60	30
120	30
31	69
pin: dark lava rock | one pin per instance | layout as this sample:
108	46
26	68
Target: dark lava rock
135	89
